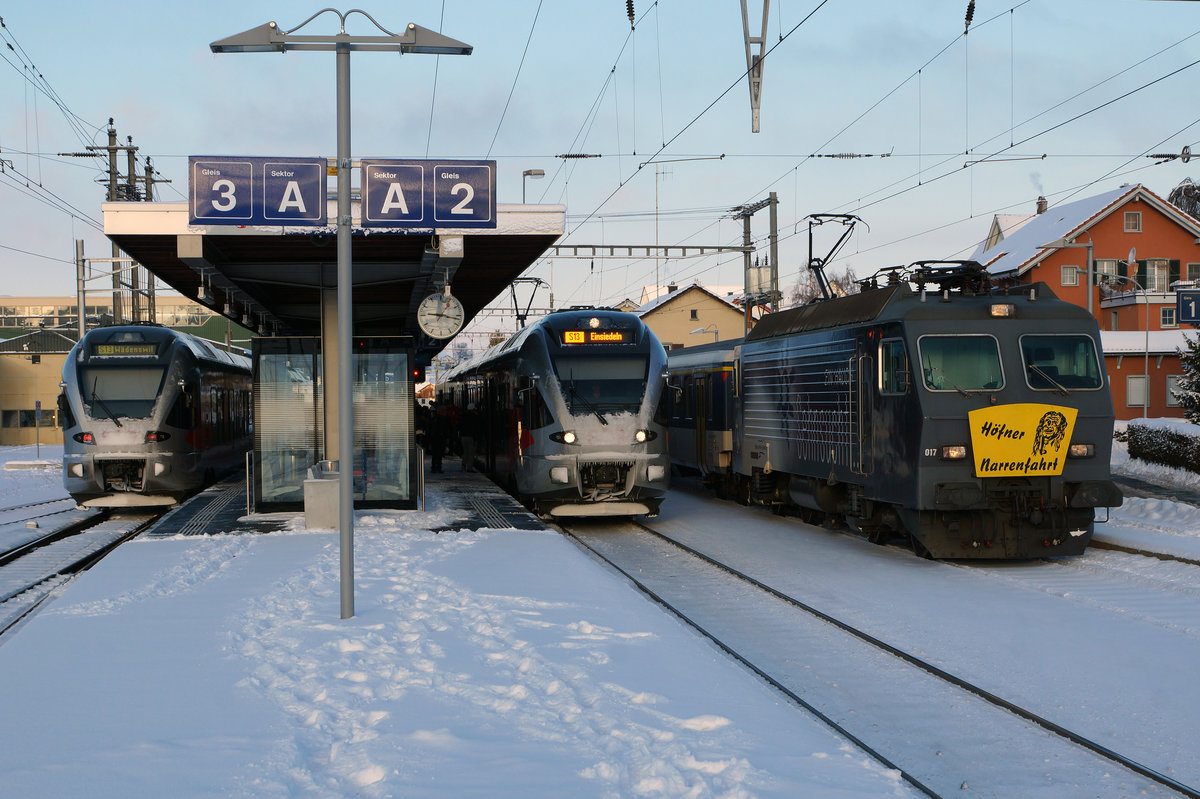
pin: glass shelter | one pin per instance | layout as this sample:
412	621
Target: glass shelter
289	417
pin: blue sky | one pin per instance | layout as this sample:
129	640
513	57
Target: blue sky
1091	84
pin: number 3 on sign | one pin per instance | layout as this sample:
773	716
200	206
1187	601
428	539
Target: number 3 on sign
226	202
468	195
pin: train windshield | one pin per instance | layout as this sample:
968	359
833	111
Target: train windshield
113	392
1061	363
594	384
961	363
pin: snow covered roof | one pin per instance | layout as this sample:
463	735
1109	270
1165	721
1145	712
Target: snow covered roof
1133	342
1020	248
663	299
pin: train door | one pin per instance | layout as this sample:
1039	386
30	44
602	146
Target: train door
863	404
699	389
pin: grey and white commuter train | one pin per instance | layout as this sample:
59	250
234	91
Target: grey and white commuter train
571	413
150	415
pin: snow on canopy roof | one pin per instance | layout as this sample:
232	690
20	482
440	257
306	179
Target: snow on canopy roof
1133	342
1021	246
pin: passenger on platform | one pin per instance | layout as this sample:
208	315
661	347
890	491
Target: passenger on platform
436	436
469	430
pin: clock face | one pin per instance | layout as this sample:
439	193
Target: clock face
440	315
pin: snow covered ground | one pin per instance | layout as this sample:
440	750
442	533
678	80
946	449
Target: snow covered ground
496	663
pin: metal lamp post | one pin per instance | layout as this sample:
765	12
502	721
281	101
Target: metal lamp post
1063	244
536	174
269	38
1146	358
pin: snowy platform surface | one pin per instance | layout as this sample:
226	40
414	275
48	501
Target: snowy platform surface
497	662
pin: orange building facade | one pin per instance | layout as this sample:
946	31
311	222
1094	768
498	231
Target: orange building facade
1142	251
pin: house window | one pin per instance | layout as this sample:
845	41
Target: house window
1069	276
695	314
1193	273
1172	387
1106	268
1158	275
1133	221
1113	323
1168	316
1135	391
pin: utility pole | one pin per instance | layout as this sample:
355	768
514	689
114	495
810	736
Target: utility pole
125	187
753	288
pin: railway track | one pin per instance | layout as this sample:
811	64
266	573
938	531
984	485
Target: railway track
942	733
34	565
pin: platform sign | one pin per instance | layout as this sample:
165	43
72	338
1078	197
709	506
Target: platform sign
429	194
1187	306
251	190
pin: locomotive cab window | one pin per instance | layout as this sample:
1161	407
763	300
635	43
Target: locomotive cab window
593	383
960	363
1057	363
893	367
115	392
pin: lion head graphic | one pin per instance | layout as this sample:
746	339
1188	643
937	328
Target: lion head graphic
1050	432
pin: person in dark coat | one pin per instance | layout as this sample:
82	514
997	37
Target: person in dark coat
435	437
470	428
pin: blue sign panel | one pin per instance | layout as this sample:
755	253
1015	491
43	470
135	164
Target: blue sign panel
1187	306
394	194
429	194
231	190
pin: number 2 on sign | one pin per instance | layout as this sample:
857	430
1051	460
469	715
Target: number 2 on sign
469	194
227	201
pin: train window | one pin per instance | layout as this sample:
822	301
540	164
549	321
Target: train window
1057	363
960	363
893	367
120	392
591	383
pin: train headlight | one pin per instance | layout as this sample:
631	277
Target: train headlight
1081	451
84	438
954	452
1004	309
564	437
642	436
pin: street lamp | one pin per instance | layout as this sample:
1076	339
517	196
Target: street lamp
709	328
536	174
1146	361
269	38
1063	244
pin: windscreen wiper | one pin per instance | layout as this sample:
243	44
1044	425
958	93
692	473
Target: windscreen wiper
587	404
1059	388
103	404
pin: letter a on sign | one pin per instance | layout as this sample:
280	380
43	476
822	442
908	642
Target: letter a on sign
292	198
394	200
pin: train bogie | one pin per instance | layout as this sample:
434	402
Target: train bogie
977	424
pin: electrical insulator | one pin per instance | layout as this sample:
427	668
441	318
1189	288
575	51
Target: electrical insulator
629	10
970	14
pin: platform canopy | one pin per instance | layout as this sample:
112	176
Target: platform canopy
274	278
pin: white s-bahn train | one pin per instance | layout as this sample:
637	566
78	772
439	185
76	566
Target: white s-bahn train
570	412
150	415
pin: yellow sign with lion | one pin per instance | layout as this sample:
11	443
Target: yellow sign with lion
1021	440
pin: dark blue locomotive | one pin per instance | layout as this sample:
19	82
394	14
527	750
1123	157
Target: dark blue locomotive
977	422
571	410
150	415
